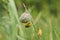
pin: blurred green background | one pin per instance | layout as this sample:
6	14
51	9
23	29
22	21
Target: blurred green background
45	23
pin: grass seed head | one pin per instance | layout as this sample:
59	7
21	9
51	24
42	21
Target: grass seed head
25	17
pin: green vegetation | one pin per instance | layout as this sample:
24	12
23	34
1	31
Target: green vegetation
44	25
